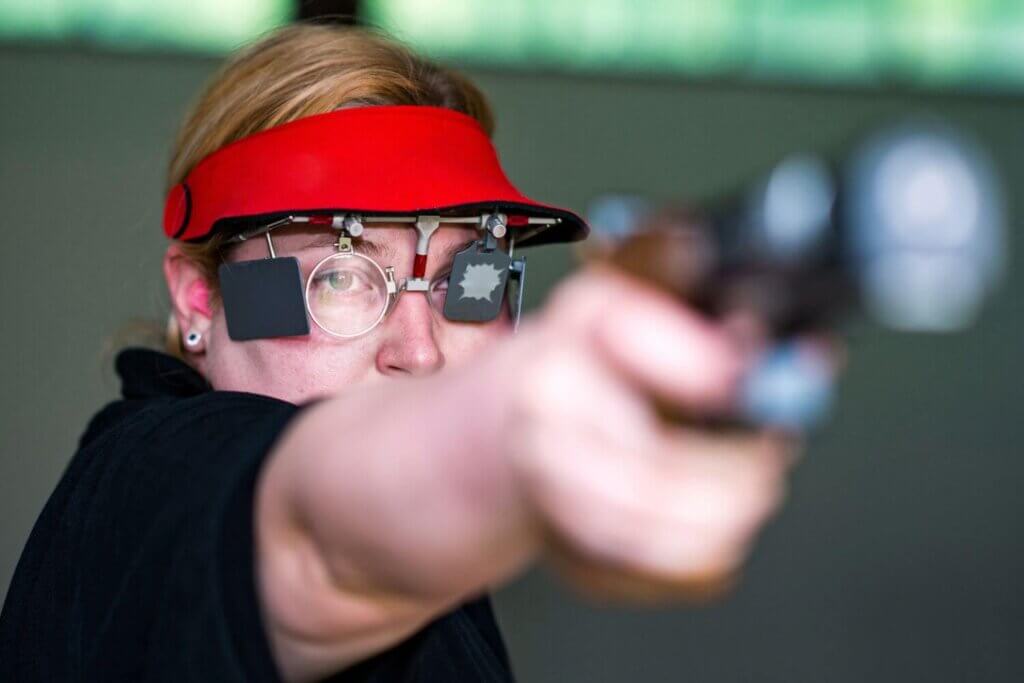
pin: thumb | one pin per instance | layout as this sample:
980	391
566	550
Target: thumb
651	337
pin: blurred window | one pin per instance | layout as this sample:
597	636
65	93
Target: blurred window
201	25
964	43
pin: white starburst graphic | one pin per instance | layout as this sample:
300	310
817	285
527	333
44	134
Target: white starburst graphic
478	282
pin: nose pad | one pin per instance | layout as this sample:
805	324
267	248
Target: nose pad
409	346
416	285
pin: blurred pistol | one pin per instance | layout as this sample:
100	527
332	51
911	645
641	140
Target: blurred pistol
909	226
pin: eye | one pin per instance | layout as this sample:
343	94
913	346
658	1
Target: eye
439	290
342	281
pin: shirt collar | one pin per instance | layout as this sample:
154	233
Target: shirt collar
146	373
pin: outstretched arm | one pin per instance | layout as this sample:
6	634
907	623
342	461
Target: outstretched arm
380	509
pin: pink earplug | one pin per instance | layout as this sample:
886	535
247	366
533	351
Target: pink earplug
199	297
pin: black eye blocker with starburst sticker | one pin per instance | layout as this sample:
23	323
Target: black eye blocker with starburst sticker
476	286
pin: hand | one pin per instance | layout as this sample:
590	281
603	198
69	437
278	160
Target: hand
627	505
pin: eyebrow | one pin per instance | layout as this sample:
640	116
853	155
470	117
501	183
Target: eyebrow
382	249
448	254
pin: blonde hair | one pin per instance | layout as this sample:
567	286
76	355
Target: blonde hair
297	71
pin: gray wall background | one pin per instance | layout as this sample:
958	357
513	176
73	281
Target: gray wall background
901	551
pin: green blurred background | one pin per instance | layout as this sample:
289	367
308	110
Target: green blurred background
901	552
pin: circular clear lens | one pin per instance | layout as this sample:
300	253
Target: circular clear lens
347	295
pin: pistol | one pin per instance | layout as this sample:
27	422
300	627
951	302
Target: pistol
908	227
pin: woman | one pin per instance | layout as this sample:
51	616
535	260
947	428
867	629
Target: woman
270	504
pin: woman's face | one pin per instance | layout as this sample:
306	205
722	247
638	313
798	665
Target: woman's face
414	339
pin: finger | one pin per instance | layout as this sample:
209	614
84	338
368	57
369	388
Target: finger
706	543
575	387
704	499
662	345
684	515
621	584
761	449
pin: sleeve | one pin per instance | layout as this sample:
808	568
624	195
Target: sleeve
197	558
143	557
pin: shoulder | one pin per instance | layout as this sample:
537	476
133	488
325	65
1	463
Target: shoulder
198	430
148	542
177	449
165	397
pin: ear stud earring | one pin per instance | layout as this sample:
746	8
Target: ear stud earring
192	339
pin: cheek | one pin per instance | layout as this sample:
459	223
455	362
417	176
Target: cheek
294	369
463	341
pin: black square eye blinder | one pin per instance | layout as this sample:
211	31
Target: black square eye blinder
348	294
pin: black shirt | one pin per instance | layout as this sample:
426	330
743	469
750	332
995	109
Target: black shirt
140	566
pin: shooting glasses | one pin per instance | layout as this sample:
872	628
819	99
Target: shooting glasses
348	293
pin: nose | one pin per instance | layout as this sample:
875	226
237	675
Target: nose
409	346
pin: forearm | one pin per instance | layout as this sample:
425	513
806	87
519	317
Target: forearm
403	489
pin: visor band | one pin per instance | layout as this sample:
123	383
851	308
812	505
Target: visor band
381	159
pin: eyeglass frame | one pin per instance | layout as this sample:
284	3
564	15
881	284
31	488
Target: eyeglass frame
493	225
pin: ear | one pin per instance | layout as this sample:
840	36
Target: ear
190	296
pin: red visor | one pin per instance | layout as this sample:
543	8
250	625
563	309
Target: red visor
397	160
